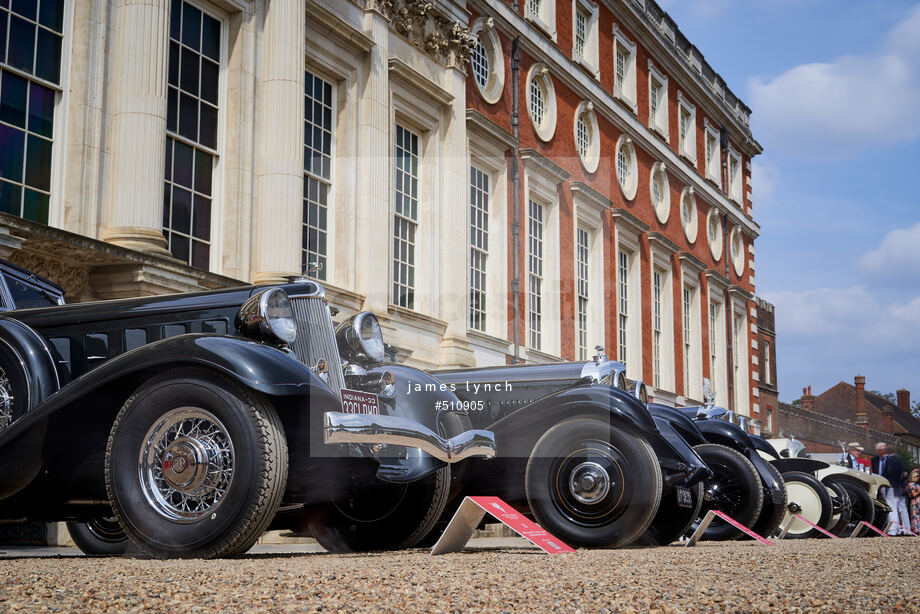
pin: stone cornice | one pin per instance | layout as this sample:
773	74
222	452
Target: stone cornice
590	195
624	219
418	81
691	263
533	158
716	280
481	123
740	292
340	28
659	242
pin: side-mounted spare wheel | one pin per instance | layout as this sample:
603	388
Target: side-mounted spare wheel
593	484
195	465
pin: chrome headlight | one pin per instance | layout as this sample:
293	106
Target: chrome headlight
360	338
640	392
268	316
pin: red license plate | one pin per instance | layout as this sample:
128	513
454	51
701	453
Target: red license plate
357	402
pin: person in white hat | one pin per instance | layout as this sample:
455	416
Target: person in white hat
850	458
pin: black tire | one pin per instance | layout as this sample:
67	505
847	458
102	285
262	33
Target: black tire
804	490
838	522
772	512
672	521
861	507
101	536
193	414
456	423
734	488
361	522
575	455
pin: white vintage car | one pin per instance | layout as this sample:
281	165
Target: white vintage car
827	494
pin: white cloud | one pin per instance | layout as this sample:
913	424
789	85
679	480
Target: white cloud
897	257
842	107
847	321
765	177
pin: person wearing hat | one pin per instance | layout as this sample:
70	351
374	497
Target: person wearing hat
850	458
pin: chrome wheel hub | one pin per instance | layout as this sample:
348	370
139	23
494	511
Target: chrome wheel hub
186	464
589	482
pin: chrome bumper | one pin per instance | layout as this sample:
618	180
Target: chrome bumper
393	430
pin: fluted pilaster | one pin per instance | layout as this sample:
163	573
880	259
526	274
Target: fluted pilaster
373	206
278	210
133	212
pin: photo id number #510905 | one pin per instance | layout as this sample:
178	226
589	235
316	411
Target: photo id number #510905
459	405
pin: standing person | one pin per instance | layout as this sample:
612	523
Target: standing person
913	498
891	468
850	458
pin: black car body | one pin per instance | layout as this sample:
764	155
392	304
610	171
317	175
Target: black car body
78	381
717	429
524	405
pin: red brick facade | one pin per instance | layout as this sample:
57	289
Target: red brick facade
848	412
561	150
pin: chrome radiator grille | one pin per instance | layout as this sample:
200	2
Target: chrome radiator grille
316	338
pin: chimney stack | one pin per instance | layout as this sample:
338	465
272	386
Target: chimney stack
808	400
861	417
904	400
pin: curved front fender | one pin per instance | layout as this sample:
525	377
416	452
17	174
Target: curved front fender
517	431
254	365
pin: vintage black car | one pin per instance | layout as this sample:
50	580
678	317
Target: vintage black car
743	484
199	420
579	452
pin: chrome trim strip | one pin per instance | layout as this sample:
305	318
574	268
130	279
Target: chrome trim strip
372	429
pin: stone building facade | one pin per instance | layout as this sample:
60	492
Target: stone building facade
497	181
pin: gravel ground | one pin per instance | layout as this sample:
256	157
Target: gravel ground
803	575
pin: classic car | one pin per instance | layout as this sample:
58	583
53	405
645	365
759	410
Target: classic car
577	451
743	485
825	492
194	422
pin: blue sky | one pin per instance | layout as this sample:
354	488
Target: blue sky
835	92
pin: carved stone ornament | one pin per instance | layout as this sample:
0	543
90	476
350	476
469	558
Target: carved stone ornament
74	279
447	41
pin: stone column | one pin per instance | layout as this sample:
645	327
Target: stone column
453	302
278	210
375	224
133	213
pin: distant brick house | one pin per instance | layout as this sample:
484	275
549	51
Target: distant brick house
847	412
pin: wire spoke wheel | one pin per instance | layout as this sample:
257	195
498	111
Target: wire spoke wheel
186	464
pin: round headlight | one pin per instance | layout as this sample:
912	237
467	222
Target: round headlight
276	307
268	316
361	338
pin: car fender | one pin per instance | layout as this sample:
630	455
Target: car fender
687	428
518	431
762	445
34	357
807	465
255	365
